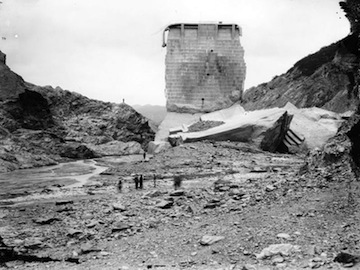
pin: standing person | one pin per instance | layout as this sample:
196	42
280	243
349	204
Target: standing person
136	180
177	181
120	185
141	181
144	155
154	180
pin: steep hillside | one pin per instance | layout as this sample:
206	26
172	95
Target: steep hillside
42	125
325	79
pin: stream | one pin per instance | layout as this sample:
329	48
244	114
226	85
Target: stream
70	175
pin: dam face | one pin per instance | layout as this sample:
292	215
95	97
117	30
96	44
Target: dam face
205	67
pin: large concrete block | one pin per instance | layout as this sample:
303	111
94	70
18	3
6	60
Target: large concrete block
204	66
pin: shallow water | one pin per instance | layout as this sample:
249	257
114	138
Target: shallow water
71	175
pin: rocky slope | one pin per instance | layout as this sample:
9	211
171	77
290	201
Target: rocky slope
42	125
325	79
329	78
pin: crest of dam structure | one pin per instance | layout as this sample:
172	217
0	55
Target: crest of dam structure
205	67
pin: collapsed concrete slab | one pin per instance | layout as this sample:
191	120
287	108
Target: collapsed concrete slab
225	115
315	125
175	122
266	129
307	128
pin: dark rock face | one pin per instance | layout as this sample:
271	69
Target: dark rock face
325	79
11	84
30	110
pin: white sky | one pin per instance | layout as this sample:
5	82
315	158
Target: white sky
111	49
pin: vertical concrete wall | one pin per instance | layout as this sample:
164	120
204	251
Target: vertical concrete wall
205	68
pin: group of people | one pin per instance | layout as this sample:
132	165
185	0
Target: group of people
138	180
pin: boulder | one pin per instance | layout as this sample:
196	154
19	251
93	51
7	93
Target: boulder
157	147
177	193
45	220
208	240
120	226
165	204
277	249
119	207
153	193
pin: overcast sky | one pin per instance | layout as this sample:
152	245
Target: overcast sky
111	49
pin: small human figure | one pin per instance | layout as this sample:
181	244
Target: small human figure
123	100
136	180
120	185
177	181
144	155
154	180
141	181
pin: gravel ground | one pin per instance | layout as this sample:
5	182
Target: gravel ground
234	202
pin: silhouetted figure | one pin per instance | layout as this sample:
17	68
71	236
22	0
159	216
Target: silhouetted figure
154	180
141	181
120	185
144	155
177	181
136	180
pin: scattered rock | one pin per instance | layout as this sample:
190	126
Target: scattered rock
153	193
236	192
346	258
222	185
277	259
249	267
207	240
213	203
277	249
165	204
92	224
269	188
283	236
258	170
189	209
88	247
74	232
177	193
45	220
63	202
119	207
120	226
33	243
258	197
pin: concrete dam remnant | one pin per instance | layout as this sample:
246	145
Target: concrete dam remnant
205	67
